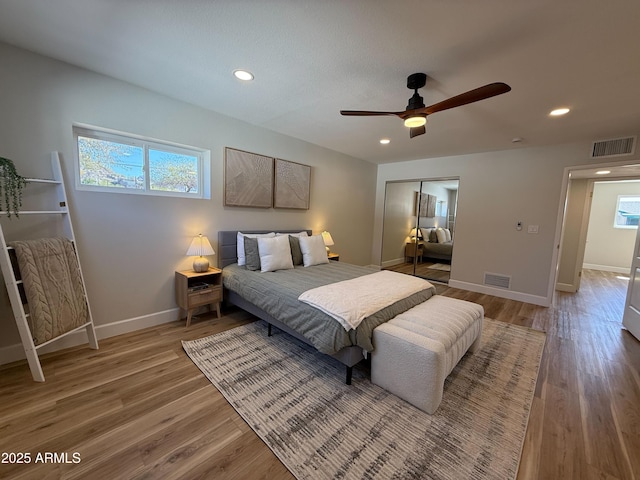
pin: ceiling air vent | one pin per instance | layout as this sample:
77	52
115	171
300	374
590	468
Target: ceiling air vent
613	148
497	280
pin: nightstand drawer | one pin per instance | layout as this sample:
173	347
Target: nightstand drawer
203	297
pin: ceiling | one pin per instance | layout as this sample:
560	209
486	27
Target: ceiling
313	58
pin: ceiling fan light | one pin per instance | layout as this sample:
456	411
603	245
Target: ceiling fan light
415	121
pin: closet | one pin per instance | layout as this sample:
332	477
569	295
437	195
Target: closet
415	210
44	225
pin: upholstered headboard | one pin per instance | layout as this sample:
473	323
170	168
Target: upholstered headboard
227	239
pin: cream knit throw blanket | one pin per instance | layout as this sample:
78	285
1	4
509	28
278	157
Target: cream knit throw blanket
53	286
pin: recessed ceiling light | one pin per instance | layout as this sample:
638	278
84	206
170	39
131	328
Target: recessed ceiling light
559	112
243	75
603	172
385	141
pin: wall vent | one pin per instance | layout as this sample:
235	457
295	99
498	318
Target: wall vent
497	280
616	147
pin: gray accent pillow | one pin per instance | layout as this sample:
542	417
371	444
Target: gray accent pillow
251	253
296	253
432	236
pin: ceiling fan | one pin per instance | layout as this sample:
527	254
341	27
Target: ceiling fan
415	115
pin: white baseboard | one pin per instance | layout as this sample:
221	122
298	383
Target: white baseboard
566	287
13	353
607	268
395	261
501	292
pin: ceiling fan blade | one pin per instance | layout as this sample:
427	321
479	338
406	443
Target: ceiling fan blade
471	96
364	113
415	131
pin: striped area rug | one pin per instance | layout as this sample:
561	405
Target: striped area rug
294	398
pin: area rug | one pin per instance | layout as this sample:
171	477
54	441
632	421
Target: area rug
295	399
440	266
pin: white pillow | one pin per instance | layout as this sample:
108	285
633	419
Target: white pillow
275	253
447	232
425	233
314	251
240	244
442	237
300	234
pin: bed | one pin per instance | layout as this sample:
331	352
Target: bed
438	251
437	243
273	297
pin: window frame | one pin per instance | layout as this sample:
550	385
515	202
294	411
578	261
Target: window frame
615	217
146	144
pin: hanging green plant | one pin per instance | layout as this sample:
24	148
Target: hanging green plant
11	185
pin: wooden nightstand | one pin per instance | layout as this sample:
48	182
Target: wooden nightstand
195	289
334	256
410	250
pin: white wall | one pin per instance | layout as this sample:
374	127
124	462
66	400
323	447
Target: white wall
399	219
130	245
498	189
609	248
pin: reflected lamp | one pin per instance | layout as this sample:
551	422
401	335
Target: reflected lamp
328	241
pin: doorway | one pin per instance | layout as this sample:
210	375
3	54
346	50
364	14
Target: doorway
419	227
599	232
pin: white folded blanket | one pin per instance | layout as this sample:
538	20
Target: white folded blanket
351	301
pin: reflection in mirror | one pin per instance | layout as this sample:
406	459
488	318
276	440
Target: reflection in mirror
419	227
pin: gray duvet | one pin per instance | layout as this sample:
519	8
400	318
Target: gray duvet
277	294
437	250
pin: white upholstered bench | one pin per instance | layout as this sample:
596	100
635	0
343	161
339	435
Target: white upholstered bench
416	351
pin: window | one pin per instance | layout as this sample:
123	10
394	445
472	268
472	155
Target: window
117	162
627	211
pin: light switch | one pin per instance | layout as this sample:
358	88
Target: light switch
532	229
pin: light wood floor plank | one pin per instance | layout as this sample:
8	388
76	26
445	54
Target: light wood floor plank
139	408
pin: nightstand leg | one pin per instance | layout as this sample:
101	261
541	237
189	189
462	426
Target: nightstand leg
189	318
218	309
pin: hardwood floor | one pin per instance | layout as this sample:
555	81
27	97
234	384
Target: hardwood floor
139	408
424	270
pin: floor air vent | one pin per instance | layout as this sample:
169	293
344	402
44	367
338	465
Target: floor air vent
613	148
497	280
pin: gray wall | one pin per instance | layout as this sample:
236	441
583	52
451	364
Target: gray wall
498	189
130	245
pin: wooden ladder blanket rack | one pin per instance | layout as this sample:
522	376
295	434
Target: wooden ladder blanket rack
31	342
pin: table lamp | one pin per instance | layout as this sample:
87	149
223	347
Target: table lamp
199	247
328	241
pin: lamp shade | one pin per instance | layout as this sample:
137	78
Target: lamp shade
200	246
415	233
326	237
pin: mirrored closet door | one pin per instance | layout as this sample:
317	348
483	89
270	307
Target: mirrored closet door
419	227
